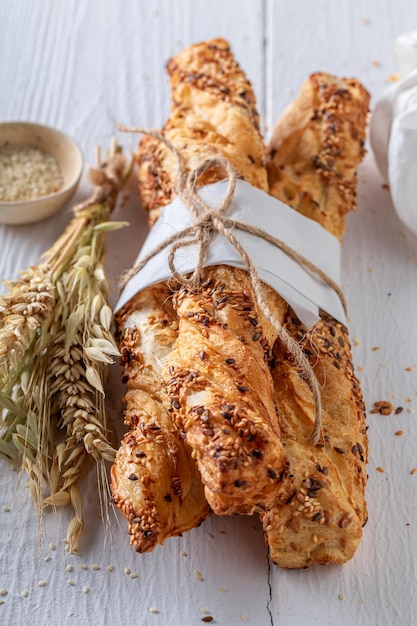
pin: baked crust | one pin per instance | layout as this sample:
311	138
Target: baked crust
241	460
213	112
315	151
154	481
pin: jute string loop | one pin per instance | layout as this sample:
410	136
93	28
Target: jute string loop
209	222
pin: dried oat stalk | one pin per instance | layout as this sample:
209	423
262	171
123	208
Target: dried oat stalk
55	346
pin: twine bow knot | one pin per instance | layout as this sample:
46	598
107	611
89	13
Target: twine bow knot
209	222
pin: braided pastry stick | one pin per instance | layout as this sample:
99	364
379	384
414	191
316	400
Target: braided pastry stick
315	151
155	483
217	379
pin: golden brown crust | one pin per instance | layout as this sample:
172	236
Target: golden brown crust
213	113
154	481
221	393
316	148
323	521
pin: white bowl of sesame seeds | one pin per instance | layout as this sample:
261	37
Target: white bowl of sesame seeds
40	168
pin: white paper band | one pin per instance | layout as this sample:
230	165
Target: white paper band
304	292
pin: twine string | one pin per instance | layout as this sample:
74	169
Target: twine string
107	179
209	222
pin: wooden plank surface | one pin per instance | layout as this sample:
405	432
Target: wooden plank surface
86	65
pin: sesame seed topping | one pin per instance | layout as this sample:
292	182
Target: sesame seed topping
95	566
52	546
86	589
127	570
70	582
197	575
41	583
380	469
110	568
5	508
153	610
25	593
83	566
69	568
3	592
414	471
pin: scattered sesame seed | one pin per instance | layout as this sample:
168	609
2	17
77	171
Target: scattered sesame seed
25	593
47	558
207	618
399	410
127	570
95	566
197	575
110	568
244	618
399	433
70	582
204	610
69	568
341	596
3	592
183	553
209	535
42	583
52	546
222	589
133	576
83	566
86	589
414	470
380	469
376	348
1	602
5	508
153	610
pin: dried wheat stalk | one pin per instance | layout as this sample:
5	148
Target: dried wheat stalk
55	345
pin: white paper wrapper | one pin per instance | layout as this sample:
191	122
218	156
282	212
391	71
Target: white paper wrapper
394	133
303	291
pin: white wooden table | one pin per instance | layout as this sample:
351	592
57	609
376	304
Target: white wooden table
85	65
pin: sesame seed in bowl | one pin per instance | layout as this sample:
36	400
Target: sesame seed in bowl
40	168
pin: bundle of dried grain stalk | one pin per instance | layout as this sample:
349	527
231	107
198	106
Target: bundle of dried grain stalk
55	345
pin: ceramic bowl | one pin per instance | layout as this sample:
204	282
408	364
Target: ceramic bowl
70	160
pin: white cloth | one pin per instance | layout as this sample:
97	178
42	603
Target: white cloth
393	133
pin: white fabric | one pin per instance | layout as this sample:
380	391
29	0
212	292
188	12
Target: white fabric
394	133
